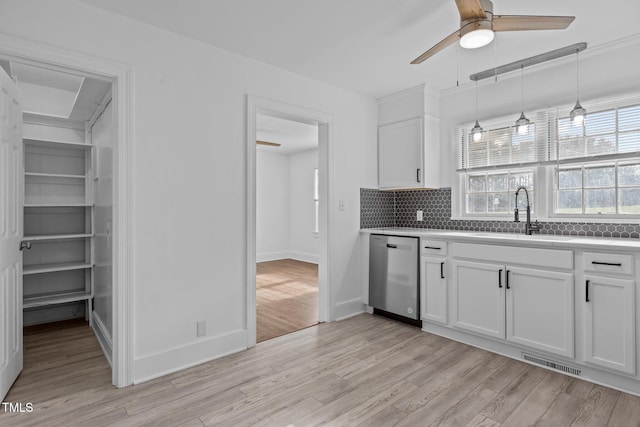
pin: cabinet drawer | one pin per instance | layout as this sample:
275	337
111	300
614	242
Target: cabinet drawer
608	263
433	247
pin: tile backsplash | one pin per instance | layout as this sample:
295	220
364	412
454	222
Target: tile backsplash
398	209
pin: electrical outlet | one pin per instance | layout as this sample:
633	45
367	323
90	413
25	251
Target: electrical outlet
201	328
341	205
419	216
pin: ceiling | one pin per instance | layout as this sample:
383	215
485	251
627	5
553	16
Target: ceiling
366	45
293	136
57	94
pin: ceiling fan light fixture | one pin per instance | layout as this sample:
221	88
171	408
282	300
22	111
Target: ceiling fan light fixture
476	132
476	34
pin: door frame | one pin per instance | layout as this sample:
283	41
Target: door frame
121	77
257	105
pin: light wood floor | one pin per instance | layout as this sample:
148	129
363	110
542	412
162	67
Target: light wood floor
286	297
366	370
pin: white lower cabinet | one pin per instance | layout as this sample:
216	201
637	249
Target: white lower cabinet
478	298
433	289
525	306
540	309
609	319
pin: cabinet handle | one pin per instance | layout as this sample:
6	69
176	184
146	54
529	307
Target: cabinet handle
506	281
500	278
418	174
432	247
442	270
586	290
615	264
389	245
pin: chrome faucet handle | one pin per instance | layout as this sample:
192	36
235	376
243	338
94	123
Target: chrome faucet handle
535	227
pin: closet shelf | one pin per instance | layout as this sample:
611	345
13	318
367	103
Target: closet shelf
47	143
53	267
54	175
35	238
55	298
58	205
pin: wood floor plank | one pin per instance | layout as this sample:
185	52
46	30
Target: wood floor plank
367	370
286	297
598	407
626	413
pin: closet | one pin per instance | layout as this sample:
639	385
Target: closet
67	169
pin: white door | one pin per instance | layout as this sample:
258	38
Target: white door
11	200
478	298
609	323
433	289
540	309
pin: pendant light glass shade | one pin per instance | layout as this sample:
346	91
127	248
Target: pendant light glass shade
476	131
578	113
522	124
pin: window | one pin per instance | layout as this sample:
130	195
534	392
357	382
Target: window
495	192
585	185
494	171
585	170
598	189
316	200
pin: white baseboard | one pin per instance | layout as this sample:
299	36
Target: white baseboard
300	256
204	350
304	257
103	335
346	309
272	256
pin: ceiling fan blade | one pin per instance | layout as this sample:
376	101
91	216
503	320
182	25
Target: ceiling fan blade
530	22
270	144
438	47
470	9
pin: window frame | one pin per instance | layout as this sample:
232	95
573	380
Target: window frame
545	176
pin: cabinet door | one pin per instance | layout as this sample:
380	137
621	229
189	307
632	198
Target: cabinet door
609	323
478	298
433	289
400	154
540	309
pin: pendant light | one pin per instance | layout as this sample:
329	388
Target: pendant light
522	124
476	131
578	113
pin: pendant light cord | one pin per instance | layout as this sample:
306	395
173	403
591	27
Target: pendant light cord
577	75
522	86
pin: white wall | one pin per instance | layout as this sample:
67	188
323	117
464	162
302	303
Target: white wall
272	206
102	139
604	71
285	211
304	244
189	183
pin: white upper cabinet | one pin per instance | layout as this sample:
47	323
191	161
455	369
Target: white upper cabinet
409	140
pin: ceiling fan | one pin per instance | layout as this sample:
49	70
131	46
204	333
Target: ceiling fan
478	23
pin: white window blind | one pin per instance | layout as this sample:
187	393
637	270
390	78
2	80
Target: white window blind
504	146
608	133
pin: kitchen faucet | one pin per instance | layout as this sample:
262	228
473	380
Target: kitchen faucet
529	228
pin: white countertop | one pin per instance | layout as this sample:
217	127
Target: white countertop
520	239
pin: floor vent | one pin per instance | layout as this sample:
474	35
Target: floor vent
551	364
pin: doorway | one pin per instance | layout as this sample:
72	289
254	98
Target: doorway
293	268
116	305
287	226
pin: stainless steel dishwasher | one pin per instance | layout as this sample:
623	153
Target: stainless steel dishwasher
393	275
